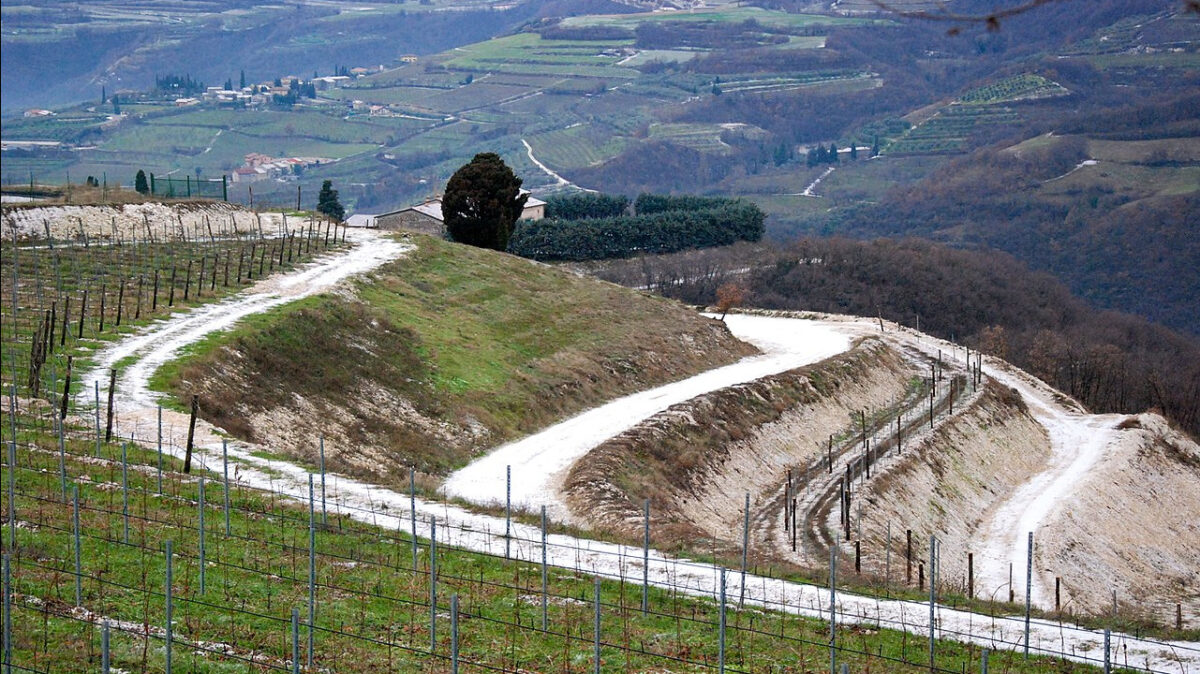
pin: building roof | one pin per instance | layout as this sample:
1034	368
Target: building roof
431	208
361	220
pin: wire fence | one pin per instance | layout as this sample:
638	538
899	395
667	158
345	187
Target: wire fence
103	530
384	551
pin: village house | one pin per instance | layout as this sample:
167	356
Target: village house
427	217
329	81
259	166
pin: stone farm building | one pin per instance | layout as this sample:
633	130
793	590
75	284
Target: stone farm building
427	217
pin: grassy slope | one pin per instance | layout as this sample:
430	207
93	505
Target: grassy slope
444	353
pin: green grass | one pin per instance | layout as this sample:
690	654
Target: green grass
372	603
577	146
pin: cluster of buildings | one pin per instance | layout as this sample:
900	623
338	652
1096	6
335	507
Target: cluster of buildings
254	95
263	167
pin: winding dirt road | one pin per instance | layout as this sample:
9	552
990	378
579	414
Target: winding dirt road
141	354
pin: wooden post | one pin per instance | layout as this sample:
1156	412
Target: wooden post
858	557
171	294
187	282
62	338
829	454
1057	594
932	390
908	558
786	495
793	525
112	385
187	461
66	396
82	313
970	575
921	576
120	302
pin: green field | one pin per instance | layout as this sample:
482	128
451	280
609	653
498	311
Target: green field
1025	87
772	18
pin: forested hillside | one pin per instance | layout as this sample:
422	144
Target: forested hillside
1112	362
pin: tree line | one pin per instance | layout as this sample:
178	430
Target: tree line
1109	361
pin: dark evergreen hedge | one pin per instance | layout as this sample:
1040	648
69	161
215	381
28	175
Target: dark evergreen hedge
655	232
586	205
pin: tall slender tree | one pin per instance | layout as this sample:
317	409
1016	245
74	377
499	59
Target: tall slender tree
483	202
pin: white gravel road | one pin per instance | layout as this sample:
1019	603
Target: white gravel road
540	461
786	342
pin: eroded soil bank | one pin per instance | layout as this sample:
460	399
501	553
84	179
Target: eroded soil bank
946	483
697	460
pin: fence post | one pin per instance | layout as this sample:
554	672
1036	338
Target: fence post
596	626
832	609
170	606
412	511
201	501
1107	651
432	585
745	548
908	557
324	512
646	558
7	616
544	570
507	511
62	458
295	641
721	627
12	491
112	385
225	470
160	456
187	459
78	555
312	569
104	647
1028	588
125	489
96	385
983	661
887	559
932	596
970	575
454	633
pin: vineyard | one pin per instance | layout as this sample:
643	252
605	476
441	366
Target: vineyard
133	553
